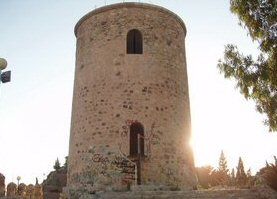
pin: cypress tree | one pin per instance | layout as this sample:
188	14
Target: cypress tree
57	165
233	178
241	178
223	169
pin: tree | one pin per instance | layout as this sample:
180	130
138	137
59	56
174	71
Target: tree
249	173
233	178
222	165
57	165
256	79
215	178
241	177
66	162
223	169
250	178
220	176
269	174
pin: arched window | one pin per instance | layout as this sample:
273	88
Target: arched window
134	42
136	144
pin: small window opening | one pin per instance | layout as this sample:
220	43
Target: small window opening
134	42
135	143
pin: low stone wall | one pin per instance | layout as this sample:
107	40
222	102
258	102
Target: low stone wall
203	194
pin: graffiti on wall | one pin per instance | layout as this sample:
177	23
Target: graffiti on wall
127	168
114	166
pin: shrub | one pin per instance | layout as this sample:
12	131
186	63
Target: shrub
270	175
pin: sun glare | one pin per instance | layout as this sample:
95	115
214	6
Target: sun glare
205	152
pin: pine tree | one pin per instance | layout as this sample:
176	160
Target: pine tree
223	163
223	169
57	165
241	177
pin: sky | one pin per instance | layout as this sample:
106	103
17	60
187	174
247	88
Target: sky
37	40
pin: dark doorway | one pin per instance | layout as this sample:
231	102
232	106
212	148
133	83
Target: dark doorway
136	129
134	42
137	146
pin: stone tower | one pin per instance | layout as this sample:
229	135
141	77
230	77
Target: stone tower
131	114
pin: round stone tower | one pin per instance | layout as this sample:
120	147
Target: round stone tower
131	113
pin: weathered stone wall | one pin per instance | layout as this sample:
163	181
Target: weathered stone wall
112	89
21	191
